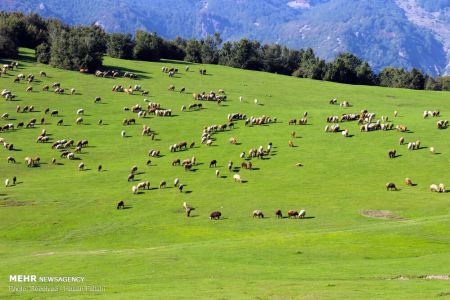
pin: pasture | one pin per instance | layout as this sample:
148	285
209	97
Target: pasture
59	221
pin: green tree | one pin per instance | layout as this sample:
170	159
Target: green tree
120	45
43	53
193	51
146	46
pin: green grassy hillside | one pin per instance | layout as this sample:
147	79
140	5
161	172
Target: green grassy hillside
58	221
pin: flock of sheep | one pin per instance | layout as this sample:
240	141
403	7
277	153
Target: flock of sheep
366	120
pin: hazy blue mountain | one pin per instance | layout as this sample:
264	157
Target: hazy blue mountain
408	33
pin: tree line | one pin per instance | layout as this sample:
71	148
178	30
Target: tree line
77	47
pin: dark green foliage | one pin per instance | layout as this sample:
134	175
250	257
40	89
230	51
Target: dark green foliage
147	46
400	78
43	53
77	47
120	45
193	51
173	49
347	68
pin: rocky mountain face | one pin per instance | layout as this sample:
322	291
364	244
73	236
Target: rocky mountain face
400	33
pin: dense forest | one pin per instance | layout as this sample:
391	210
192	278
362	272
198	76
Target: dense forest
76	47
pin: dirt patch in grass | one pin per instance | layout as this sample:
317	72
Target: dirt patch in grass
12	203
381	214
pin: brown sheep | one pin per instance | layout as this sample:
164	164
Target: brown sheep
292	214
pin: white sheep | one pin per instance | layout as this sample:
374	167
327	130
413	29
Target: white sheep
241	99
256	101
345	133
442	188
79	120
434	188
176	182
123	133
134	189
7	182
81	167
80	111
411	146
237	178
217	173
432	150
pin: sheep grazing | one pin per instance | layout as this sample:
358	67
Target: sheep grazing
302	214
411	146
230	166
217	173
121	205
345	133
81	167
395	113
237	178
402	140
255	101
134	189
293	134
390	186
162	184
123	133
241	99
215	215
233	140
258	214
11	159
213	163
291	143
188	209
278	214
432	150
7	182
133	170
292	214
79	120
176	182
180	188
408	182
392	153
434	188
80	111
72	91
442	188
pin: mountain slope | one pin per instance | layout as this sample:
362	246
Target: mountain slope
401	33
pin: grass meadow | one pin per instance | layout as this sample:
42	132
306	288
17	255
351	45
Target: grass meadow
58	221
